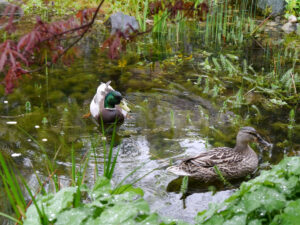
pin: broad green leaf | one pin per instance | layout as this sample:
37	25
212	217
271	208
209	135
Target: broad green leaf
291	215
101	187
62	200
255	222
121	213
52	205
216	219
73	216
128	188
265	197
260	199
206	214
294	165
32	216
236	220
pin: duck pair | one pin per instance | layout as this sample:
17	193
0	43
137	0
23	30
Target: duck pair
233	163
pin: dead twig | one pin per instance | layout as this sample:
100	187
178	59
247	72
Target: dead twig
261	24
294	84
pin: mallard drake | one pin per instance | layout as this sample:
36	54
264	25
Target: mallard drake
233	163
106	105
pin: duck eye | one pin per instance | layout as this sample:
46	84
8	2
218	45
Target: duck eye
253	134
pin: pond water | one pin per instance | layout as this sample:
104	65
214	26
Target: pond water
170	118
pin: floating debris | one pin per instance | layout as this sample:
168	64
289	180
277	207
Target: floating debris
11	122
44	139
16	154
37	126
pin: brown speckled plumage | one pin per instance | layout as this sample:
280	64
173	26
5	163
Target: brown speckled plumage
233	163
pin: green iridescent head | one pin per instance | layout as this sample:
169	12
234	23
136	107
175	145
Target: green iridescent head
112	98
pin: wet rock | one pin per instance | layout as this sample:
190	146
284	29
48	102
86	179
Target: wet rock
124	23
291	25
292	19
276	6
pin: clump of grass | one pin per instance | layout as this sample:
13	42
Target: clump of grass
109	160
13	190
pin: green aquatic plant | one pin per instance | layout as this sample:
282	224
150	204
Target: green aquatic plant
12	189
292	122
48	9
184	185
222	178
292	8
45	121
28	107
78	203
109	160
101	207
267	199
226	24
172	119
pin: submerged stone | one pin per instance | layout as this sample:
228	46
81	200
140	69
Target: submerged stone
121	22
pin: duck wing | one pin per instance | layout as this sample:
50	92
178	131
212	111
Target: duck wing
215	157
97	104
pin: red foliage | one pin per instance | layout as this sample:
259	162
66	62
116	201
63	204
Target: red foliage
51	37
14	56
11	58
8	17
116	43
85	15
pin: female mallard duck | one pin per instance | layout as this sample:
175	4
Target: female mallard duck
233	163
106	105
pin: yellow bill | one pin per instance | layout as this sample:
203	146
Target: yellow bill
124	105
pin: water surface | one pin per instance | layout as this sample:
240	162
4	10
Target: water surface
170	118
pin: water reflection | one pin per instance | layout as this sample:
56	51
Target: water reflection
170	119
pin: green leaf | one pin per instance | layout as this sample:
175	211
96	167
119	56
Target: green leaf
206	214
151	219
294	165
102	186
121	213
216	219
236	220
62	200
73	216
262	200
255	222
128	188
291	214
52	204
32	215
265	197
